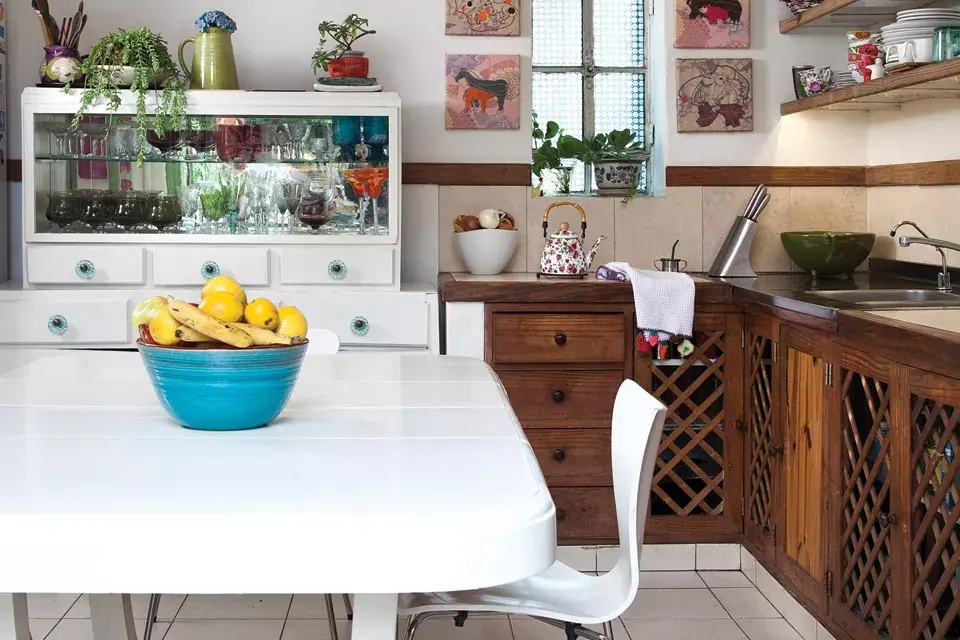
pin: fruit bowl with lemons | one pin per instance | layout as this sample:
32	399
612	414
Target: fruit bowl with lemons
225	364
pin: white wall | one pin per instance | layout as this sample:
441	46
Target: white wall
274	43
920	132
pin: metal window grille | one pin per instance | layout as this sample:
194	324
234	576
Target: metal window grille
589	71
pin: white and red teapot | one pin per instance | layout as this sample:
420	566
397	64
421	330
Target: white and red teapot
563	253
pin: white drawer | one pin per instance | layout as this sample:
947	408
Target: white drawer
384	323
337	265
85	265
85	322
194	266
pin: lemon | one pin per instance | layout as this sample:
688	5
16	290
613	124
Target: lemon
222	306
224	283
146	309
163	328
293	324
262	313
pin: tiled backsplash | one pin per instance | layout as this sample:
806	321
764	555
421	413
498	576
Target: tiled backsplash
933	208
642	229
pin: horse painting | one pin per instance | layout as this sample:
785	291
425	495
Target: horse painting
483	92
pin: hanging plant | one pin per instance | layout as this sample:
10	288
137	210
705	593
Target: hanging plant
137	59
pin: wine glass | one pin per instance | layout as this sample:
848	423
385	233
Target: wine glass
287	194
65	135
96	132
129	212
165	212
63	208
213	204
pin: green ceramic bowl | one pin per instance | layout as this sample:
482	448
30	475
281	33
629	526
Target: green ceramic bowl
828	253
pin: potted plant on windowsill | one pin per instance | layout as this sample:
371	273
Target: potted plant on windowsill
552	177
341	60
137	59
617	158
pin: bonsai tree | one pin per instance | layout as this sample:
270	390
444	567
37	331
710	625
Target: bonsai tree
146	52
616	146
343	36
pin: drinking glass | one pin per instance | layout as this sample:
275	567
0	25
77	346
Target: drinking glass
129	212
314	210
93	212
213	204
287	194
122	141
63	208
112	202
168	144
96	133
145	201
190	208
165	213
65	136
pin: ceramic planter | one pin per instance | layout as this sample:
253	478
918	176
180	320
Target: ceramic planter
350	64
60	64
126	75
617	177
556	181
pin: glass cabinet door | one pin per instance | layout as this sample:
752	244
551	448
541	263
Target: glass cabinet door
262	176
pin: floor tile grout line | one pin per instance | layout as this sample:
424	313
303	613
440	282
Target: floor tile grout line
59	620
286	617
176	614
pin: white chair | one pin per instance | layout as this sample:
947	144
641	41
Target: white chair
563	596
321	342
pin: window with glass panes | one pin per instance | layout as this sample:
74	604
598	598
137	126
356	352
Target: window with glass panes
588	71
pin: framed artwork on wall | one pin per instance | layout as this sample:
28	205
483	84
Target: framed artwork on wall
712	24
714	95
483	91
483	17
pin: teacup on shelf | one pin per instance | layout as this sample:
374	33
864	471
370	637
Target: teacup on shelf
815	81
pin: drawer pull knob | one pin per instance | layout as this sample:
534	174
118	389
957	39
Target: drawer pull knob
209	269
558	396
337	270
561	515
559	455
57	325
560	338
360	326
887	519
85	269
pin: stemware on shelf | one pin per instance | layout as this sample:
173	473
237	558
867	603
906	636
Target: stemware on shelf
314	208
165	213
168	144
93	144
367	183
93	212
112	201
287	193
63	208
65	136
129	211
213	203
145	201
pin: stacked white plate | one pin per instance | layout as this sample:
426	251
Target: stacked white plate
843	79
918	24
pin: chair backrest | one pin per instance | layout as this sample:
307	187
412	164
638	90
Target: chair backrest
322	342
638	420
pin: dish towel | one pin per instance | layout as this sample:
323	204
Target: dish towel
664	301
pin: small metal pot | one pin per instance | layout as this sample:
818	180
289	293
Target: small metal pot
670	265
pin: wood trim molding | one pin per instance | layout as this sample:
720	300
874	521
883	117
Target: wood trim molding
914	173
678	176
461	174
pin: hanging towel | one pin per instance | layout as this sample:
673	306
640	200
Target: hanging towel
664	301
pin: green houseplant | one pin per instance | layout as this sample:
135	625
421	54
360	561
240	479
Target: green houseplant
338	57
137	59
617	158
552	176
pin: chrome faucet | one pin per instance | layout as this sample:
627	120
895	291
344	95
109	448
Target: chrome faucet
943	278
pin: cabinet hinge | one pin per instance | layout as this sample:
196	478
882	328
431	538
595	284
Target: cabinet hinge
828	583
828	375
774	349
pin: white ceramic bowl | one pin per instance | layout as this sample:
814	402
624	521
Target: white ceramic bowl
486	251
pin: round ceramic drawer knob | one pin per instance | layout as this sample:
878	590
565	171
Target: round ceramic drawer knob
359	326
559	455
57	325
560	339
558	396
85	269
210	269
337	270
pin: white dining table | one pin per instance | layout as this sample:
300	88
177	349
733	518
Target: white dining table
385	474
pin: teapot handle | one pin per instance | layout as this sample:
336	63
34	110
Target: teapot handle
566	203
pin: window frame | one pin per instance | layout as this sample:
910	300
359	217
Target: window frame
589	70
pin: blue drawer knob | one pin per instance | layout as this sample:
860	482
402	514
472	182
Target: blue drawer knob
337	270
85	269
57	325
209	269
360	326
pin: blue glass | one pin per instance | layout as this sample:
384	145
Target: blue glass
346	130
375	130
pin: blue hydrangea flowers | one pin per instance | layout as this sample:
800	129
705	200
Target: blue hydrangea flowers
215	19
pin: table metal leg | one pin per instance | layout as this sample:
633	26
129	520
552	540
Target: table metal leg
112	617
374	616
14	618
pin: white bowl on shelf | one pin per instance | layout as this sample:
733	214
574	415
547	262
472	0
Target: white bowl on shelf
486	251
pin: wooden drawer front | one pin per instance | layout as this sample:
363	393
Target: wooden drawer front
387	323
318	265
30	322
573	457
85	265
558	338
186	265
585	514
561	399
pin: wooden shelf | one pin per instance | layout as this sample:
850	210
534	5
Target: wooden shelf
852	13
938	80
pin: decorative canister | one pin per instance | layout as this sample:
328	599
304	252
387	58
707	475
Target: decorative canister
213	65
60	64
350	64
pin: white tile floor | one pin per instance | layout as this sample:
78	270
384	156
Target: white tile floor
674	605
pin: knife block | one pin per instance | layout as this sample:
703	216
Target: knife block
733	260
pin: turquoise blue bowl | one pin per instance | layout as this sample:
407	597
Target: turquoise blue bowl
223	389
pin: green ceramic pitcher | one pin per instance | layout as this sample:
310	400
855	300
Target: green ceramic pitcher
213	65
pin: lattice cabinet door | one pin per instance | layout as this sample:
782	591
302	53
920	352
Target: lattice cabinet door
697	486
863	456
764	440
803	499
934	548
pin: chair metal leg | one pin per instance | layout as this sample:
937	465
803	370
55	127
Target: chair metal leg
331	617
578	630
153	609
348	605
417	620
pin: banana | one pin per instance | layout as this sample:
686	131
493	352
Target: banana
261	336
186	334
193	318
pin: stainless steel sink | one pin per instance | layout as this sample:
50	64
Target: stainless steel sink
891	298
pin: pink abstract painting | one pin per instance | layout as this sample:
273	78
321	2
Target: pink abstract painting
712	24
483	92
